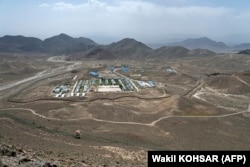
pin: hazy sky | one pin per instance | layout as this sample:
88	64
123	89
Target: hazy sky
147	21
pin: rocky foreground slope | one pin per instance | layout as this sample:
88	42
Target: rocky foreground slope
17	156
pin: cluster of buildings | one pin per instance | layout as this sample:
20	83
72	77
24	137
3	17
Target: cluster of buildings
82	87
100	84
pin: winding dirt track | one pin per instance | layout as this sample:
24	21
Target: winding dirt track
10	85
242	81
153	123
73	66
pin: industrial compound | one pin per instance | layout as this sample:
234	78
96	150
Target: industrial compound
99	84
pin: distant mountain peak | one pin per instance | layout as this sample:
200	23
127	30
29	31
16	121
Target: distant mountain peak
201	39
204	38
61	36
20	43
61	43
129	43
202	43
64	43
246	51
127	40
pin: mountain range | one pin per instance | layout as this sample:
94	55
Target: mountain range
206	43
132	49
246	52
59	44
81	48
203	43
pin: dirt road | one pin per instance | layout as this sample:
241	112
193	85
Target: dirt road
55	71
153	123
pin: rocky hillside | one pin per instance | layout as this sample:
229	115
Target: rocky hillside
202	43
132	49
246	52
243	46
11	156
170	52
128	46
17	156
59	44
65	44
125	48
20	43
84	48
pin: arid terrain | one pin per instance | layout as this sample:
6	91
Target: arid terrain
105	83
203	106
198	103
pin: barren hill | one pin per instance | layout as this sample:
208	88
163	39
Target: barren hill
201	52
84	48
125	48
20	43
63	43
59	44
246	52
171	51
132	49
242	46
128	47
201	43
180	52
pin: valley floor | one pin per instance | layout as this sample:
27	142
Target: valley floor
201	107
